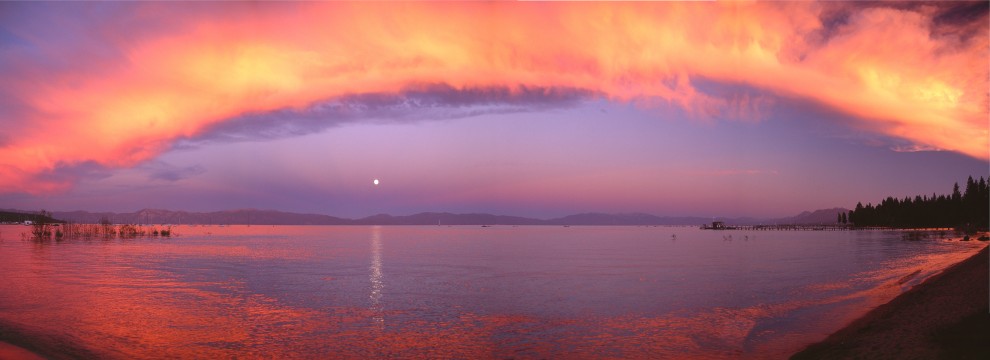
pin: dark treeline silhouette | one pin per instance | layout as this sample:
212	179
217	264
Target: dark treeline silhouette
19	217
968	210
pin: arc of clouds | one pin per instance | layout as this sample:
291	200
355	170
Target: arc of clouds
881	65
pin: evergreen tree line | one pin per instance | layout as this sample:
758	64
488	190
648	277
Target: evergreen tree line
19	217
969	210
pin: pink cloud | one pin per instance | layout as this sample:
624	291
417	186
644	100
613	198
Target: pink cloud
903	73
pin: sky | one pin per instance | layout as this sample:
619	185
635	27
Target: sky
544	109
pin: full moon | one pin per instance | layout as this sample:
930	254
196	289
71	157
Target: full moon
375	182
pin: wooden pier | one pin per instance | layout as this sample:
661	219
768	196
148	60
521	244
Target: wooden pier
718	225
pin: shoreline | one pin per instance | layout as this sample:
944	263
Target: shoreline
13	352
21	343
946	316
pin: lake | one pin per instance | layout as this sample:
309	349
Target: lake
258	291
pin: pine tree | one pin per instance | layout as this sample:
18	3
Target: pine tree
968	210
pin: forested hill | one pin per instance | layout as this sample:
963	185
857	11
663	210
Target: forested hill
7	216
966	210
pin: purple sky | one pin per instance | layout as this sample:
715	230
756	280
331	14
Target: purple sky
697	141
588	156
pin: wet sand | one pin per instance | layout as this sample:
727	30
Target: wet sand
945	317
11	352
18	343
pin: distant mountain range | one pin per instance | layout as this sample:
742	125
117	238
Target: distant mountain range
271	217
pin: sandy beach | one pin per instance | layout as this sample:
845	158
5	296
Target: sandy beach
946	317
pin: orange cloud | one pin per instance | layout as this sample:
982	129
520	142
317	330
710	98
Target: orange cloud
893	68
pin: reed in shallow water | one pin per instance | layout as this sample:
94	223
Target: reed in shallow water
103	230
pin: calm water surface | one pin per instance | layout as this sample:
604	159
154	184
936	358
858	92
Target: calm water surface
455	292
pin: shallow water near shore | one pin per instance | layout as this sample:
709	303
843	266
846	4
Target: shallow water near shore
464	292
